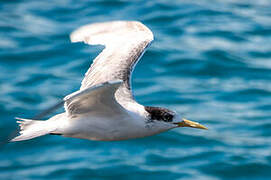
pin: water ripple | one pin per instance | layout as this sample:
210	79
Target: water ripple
209	61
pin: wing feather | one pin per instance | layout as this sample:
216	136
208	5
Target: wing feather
97	99
124	41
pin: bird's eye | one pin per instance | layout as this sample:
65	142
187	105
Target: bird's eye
167	117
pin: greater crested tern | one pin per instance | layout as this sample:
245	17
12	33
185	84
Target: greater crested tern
104	108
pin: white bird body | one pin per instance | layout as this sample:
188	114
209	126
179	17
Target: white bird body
100	127
114	128
104	108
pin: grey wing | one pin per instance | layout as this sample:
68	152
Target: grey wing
124	41
98	100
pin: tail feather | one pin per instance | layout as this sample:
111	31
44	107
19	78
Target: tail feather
30	129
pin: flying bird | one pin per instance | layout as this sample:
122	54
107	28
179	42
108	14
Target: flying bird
104	108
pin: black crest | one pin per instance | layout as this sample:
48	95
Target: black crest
160	114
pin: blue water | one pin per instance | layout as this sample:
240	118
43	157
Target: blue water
210	61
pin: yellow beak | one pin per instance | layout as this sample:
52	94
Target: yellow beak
187	123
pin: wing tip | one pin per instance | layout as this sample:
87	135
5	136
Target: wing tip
83	33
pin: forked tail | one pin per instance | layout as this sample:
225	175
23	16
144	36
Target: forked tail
30	129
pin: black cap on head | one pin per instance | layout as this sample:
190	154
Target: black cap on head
160	114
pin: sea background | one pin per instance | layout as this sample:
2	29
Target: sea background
210	61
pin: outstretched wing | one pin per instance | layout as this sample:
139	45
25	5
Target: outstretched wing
124	41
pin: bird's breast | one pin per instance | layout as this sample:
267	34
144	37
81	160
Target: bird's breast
109	128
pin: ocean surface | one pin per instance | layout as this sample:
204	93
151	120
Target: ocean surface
210	61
